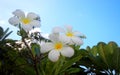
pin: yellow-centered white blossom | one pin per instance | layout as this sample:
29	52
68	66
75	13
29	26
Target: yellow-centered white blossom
72	37
27	22
69	36
56	48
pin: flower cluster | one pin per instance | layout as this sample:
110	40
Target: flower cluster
61	40
61	43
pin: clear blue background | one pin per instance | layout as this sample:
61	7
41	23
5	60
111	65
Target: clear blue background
99	20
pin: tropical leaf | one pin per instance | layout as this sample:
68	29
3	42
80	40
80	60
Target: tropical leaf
116	59
1	32
102	52
4	34
35	49
73	70
71	61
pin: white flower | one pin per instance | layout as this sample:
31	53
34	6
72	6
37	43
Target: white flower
56	48
71	37
57	30
26	22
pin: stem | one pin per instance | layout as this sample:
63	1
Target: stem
35	67
33	58
28	48
25	43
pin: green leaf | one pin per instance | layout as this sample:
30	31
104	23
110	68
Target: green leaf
83	37
29	70
22	32
71	61
77	47
1	32
35	49
112	46
7	35
101	51
116	59
4	34
6	31
47	67
88	48
94	51
73	70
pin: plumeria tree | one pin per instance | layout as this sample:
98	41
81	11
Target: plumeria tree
59	54
51	56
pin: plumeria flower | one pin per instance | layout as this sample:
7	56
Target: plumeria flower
27	22
56	48
71	37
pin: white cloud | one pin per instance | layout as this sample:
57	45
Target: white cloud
45	35
2	22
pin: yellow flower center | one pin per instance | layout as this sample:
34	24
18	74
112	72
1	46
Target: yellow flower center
69	34
58	46
25	20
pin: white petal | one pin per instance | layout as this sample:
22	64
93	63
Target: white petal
67	51
77	40
13	21
54	55
41	42
71	42
46	47
69	28
57	30
64	39
19	13
32	15
35	23
27	27
54	37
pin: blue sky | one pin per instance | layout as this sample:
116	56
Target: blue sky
99	20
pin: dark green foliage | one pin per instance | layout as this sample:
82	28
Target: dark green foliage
103	57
